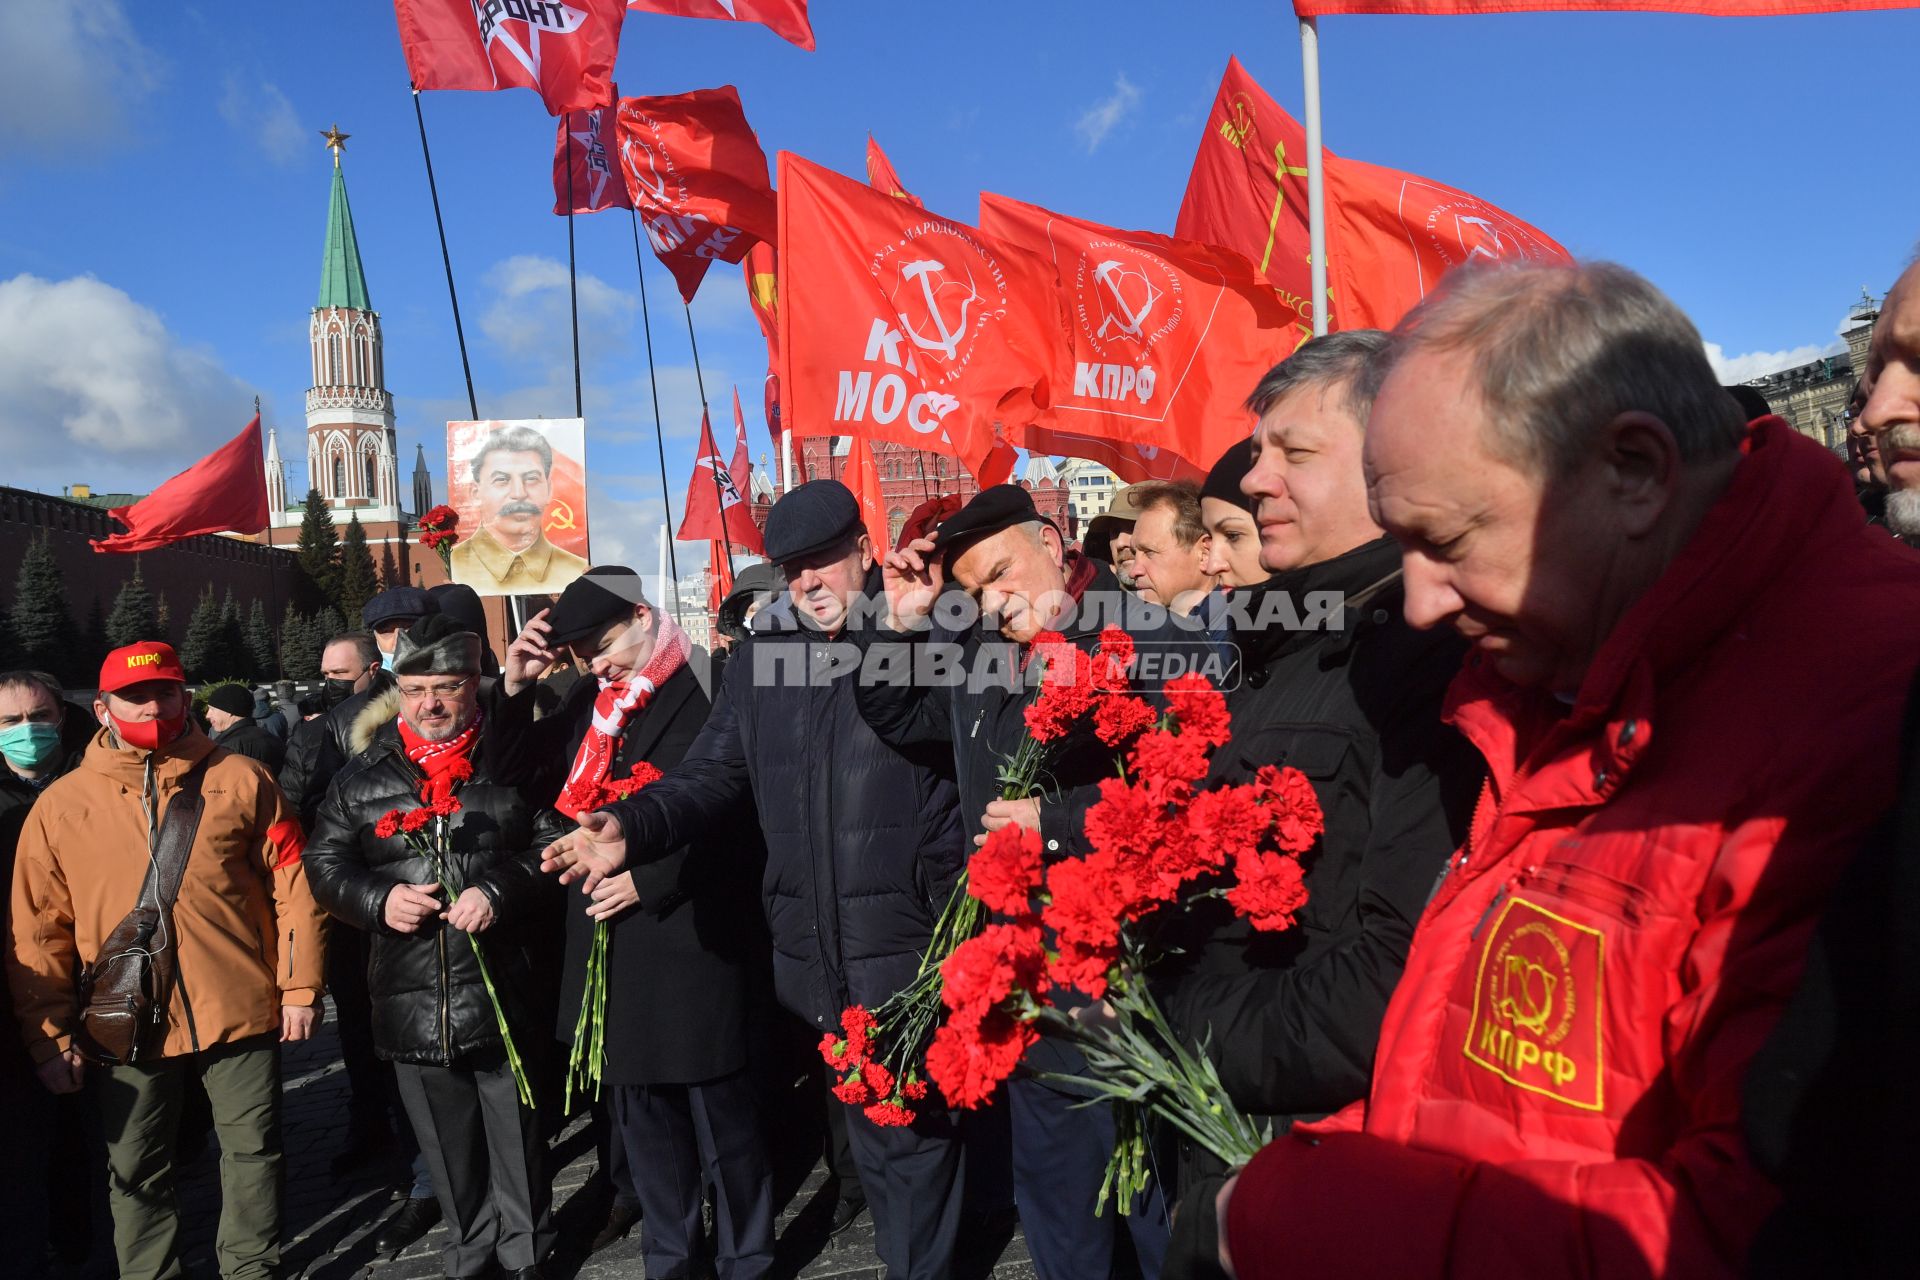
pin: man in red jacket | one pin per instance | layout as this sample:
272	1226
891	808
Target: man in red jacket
1674	784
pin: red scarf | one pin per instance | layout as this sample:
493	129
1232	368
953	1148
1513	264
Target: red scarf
618	702
444	763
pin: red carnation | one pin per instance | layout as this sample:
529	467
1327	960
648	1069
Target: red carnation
445	806
834	1050
1223	824
1113	660
914	1089
990	966
1298	820
388	826
859	1026
1269	892
1066	688
1200	708
878	1079
1004	872
1167	765
889	1115
642	774
1119	718
440	517
969	1059
853	1090
416	819
1083	967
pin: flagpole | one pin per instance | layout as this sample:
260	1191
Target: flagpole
706	420
473	406
659	444
573	288
1316	171
786	459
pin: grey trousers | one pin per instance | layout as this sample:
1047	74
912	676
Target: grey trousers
484	1151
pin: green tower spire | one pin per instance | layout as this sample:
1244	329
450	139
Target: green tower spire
342	281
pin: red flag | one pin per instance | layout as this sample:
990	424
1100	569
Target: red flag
1165	337
562	49
862	476
785	18
586	143
714	508
742	470
698	177
1133	463
763	295
1711	8
899	325
224	492
881	177
1390	235
719	576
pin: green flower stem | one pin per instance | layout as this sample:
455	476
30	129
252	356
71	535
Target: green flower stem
436	854
587	1060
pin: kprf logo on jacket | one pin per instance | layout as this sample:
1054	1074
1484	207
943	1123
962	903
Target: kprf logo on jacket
1537	1002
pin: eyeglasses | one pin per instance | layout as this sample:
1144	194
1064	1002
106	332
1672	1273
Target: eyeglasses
434	690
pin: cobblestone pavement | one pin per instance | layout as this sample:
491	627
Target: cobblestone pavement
330	1222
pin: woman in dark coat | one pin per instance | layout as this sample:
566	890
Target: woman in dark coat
686	945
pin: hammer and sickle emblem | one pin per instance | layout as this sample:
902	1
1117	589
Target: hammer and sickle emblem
1281	171
560	517
1112	275
656	188
1526	994
949	340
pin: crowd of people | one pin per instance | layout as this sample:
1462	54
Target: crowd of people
1606	966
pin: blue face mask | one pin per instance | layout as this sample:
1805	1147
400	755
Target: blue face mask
386	660
30	744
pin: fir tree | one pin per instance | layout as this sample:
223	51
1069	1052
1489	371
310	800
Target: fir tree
259	642
204	651
93	637
43	632
9	648
233	639
319	553
134	617
294	645
389	568
357	582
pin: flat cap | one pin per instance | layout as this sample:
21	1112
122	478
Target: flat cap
436	645
991	510
594	599
814	517
396	602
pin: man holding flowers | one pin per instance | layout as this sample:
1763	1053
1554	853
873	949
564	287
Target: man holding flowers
420	844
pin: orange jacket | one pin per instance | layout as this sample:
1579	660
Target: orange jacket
249	935
1557	1088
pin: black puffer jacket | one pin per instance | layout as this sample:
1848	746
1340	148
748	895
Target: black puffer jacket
318	748
863	841
429	1004
1292	1018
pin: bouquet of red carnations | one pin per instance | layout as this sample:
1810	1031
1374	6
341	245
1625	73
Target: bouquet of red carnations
426	831
437	532
878	1052
1158	841
587	1061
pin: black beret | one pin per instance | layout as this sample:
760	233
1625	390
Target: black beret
396	602
991	510
1223	482
592	600
232	699
816	516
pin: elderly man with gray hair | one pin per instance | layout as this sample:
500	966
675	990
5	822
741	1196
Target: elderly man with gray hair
1673	788
509	551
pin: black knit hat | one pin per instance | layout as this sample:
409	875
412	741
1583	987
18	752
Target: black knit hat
1223	482
232	699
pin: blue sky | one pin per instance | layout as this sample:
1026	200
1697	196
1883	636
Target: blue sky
163	190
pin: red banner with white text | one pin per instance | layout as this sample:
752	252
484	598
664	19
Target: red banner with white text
785	18
583	151
563	50
1709	8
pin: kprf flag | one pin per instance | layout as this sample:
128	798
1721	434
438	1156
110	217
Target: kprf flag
697	175
1134	463
741	473
561	49
1712	8
224	492
763	296
900	325
1165	337
715	510
881	177
785	18
1390	235
862	476
583	152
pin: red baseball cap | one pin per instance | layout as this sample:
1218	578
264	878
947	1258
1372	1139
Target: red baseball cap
148	660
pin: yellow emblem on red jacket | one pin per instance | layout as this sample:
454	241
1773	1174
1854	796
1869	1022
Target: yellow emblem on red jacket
1537	1001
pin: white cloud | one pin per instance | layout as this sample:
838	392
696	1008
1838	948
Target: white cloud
68	72
530	321
1099	120
1758	364
94	388
261	111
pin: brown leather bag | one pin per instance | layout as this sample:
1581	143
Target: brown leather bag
124	993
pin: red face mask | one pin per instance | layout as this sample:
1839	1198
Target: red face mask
148	735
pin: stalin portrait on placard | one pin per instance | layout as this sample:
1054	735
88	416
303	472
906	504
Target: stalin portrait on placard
519	487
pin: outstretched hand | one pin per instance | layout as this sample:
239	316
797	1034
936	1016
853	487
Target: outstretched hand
595	851
913	579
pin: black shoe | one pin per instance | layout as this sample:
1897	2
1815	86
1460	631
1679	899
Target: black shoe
415	1219
846	1211
528	1273
620	1220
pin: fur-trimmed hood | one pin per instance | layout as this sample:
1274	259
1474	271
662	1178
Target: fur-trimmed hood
369	720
